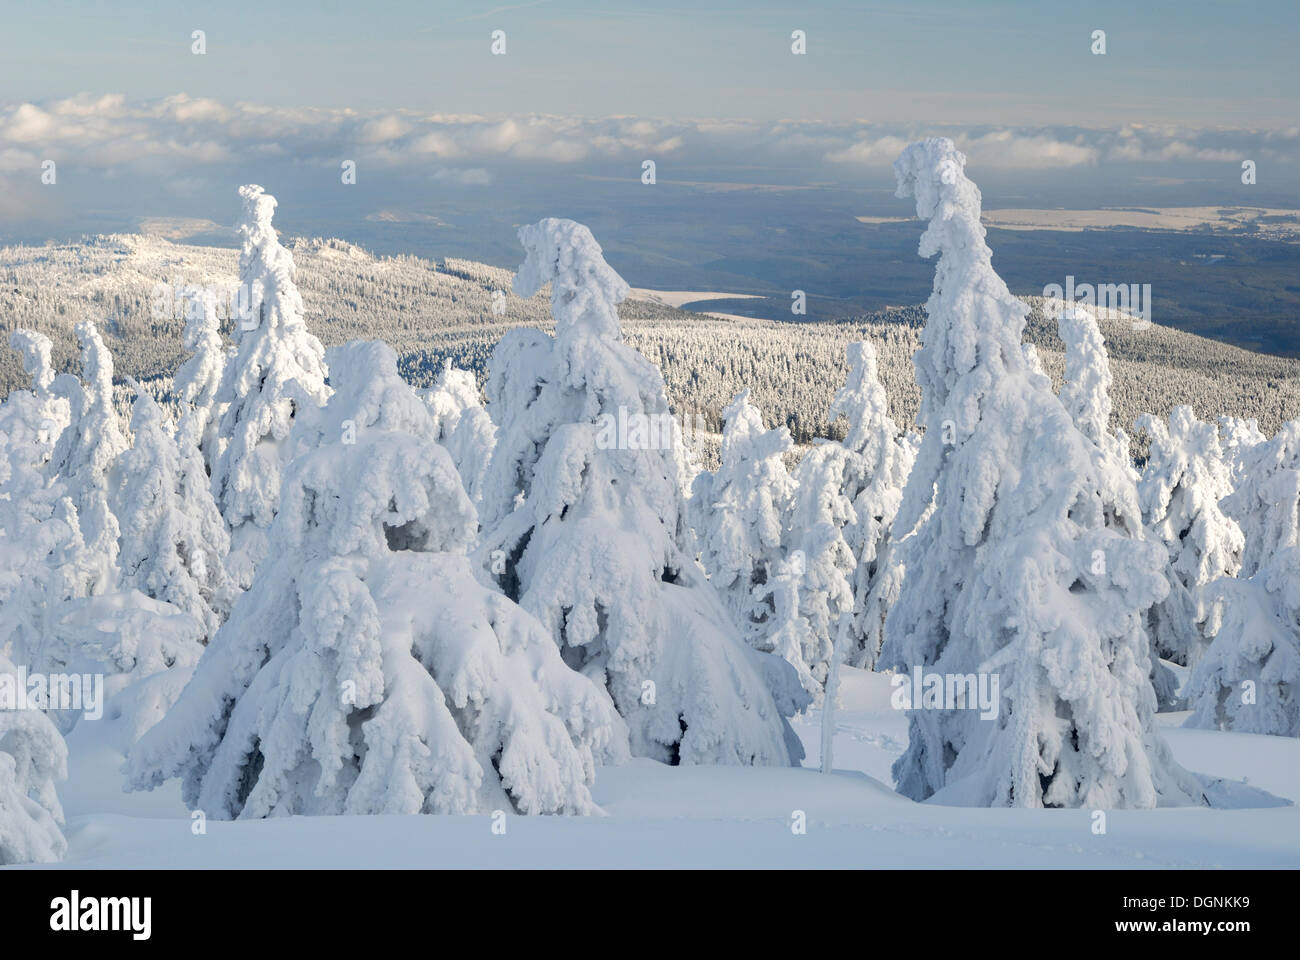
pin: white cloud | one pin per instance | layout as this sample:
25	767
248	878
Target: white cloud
181	135
475	177
384	129
869	152
28	124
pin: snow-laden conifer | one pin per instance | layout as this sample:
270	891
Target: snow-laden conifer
586	526
1030	568
278	369
174	542
37	545
819	562
1185	477
1237	436
198	380
33	757
86	453
1247	680
879	462
738	511
367	670
1085	394
463	425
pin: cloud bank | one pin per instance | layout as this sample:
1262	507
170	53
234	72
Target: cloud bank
182	136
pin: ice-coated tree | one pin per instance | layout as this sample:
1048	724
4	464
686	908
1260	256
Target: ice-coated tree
789	632
1185	477
49	621
875	474
367	670
1086	390
1248	678
85	454
1085	395
174	542
463	425
1030	567
43	558
819	562
277	370
586	527
34	348
1238	436
143	649
1266	503
35	541
198	380
33	757
738	511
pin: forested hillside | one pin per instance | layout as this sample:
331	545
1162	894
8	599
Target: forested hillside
428	311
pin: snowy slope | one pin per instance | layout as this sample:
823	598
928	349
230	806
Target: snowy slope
659	816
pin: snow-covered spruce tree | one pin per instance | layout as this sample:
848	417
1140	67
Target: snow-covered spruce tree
86	453
1085	394
34	539
1247	680
585	524
737	512
48	621
278	368
198	380
174	542
1030	567
1086	390
1185	477
1238	436
34	348
33	757
819	564
879	463
1265	503
463	425
142	647
367	670
789	632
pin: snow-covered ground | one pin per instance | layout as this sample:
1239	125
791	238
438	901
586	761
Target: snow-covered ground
659	816
678	298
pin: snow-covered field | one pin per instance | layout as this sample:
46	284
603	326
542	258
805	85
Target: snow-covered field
678	298
660	816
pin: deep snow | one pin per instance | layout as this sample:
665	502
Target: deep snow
660	816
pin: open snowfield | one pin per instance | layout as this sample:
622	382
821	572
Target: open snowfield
678	298
659	816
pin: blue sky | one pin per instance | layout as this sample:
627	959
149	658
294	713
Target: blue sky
1184	62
